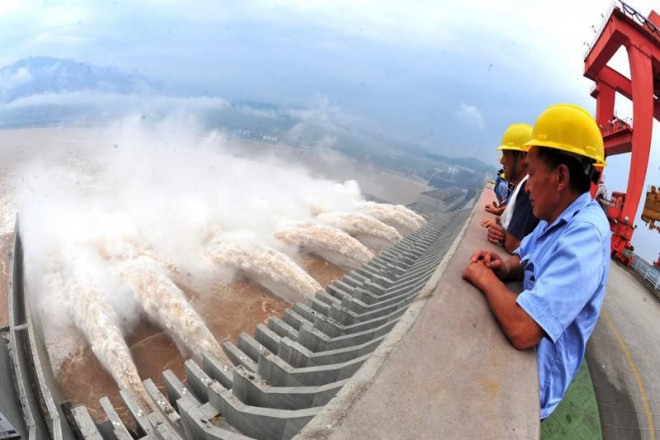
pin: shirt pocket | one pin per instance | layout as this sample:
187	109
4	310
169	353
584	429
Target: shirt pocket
529	278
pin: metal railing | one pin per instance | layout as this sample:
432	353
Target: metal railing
650	274
630	12
616	125
645	22
599	31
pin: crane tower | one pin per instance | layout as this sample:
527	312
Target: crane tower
640	36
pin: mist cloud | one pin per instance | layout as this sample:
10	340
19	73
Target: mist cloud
470	115
12	80
164	189
118	102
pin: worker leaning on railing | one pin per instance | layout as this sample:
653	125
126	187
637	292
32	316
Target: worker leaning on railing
564	262
517	219
501	188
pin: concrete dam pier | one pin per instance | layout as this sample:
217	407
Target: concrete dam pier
400	347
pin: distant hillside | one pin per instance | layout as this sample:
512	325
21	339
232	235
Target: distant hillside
468	162
45	91
40	75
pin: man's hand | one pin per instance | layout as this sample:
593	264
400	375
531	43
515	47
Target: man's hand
496	232
518	326
479	274
492	208
492	261
487	222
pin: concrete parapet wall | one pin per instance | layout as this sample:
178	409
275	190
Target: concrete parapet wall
30	368
445	371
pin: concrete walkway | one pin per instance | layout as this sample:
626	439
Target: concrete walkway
624	359
454	374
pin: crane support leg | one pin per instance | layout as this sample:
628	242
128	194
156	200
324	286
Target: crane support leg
604	104
642	87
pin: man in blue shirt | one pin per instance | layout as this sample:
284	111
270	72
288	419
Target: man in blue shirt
501	188
564	262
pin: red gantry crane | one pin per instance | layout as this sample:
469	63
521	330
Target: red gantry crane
640	35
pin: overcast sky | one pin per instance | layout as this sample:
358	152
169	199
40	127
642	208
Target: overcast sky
451	74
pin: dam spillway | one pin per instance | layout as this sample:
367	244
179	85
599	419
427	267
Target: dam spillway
277	379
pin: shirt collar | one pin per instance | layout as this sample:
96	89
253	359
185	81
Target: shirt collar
572	209
522	181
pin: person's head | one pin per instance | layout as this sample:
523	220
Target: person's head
565	148
513	156
514	165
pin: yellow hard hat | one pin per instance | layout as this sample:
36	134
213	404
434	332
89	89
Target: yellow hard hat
515	137
569	128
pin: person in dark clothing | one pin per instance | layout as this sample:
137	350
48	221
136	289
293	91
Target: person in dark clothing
517	219
522	220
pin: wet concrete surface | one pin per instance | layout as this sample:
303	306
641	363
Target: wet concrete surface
227	310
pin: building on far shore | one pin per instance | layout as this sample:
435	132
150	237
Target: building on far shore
438	201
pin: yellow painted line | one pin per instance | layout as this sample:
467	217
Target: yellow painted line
638	377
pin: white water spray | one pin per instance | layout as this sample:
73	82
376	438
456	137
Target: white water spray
167	305
331	244
268	267
367	229
158	189
100	325
402	209
403	219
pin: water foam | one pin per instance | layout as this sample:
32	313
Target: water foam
7	212
266	266
100	325
167	305
367	229
327	242
403	219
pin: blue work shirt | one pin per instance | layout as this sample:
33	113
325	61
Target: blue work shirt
502	190
565	274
